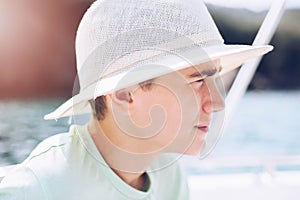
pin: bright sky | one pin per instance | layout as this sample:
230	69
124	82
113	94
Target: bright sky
255	5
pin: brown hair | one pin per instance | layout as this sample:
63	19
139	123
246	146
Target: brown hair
99	105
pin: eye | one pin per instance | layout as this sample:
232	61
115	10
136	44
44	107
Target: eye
198	83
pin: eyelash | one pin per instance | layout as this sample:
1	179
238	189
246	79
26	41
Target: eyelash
198	83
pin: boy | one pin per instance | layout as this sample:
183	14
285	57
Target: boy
147	73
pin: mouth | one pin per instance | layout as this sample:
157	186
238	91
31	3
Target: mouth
204	128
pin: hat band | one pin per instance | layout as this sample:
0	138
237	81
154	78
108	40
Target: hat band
131	60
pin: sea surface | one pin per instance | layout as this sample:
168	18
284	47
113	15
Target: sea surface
264	123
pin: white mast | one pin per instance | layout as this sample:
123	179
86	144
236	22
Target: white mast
247	71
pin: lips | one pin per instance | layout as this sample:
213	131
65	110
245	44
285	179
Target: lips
204	128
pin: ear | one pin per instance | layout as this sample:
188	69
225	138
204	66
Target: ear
122	99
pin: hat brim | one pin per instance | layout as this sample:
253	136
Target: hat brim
231	57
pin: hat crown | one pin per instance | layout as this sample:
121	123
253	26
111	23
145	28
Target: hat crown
114	28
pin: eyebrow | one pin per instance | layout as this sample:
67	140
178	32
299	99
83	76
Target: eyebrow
208	72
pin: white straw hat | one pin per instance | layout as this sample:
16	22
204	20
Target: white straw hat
120	43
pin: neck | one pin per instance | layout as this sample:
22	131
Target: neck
136	180
129	166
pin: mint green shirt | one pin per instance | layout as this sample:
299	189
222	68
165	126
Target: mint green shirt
69	167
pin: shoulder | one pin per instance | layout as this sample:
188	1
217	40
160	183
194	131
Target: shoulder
45	169
49	150
21	183
50	144
53	149
55	155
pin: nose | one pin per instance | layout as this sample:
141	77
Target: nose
213	100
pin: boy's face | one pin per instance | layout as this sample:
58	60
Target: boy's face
175	114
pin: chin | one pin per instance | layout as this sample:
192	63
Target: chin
194	150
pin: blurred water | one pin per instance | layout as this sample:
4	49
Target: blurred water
22	127
265	123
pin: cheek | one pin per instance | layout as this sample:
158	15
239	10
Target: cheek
191	105
182	109
173	120
147	101
161	109
182	112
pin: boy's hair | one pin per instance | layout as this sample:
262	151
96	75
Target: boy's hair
99	105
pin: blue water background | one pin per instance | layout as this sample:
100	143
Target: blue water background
264	123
